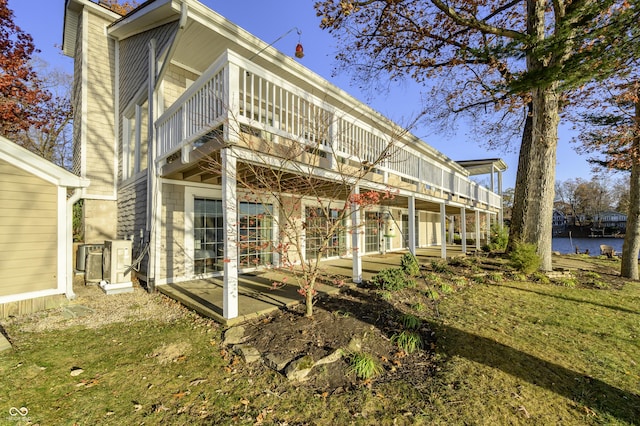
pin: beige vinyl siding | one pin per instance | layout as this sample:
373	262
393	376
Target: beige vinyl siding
100	136
28	232
77	105
172	255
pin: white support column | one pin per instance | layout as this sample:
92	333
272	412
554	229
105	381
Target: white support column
452	228
443	231
463	229
230	235
488	230
478	233
500	211
356	242
493	171
232	127
412	225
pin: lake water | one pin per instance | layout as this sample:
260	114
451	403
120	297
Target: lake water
568	245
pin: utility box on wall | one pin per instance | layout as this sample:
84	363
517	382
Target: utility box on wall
116	267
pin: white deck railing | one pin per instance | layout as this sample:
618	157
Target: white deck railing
274	106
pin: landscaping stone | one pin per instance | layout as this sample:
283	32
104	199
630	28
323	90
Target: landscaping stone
4	343
276	362
355	345
331	358
233	336
75	311
249	353
299	369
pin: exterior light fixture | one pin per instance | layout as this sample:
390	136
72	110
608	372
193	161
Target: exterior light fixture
299	51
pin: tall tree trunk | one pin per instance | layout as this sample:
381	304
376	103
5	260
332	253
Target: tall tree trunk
535	182
521	191
631	244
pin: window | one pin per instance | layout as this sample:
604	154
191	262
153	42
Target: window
135	143
405	230
372	224
255	230
317	227
208	234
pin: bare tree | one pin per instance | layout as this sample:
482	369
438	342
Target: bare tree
309	192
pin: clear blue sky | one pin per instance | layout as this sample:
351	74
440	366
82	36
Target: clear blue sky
268	20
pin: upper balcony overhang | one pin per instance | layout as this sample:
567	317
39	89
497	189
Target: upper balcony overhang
246	85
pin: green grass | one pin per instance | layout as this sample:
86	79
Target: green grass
514	352
541	353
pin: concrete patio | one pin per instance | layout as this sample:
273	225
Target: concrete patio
257	296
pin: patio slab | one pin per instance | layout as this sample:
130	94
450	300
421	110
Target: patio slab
257	296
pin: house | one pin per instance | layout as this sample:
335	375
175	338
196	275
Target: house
172	85
559	222
35	231
613	221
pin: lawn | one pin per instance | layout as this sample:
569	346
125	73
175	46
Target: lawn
506	351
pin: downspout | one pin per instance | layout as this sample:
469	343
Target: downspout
77	193
154	207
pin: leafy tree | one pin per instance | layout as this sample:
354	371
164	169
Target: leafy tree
498	57
21	93
119	7
613	136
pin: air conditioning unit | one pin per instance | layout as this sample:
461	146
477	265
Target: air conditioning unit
116	267
93	267
82	253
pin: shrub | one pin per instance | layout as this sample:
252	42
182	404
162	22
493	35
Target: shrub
418	307
459	281
446	288
392	279
567	282
433	278
409	265
496	277
408	341
541	278
440	266
498	237
385	295
364	365
432	294
524	258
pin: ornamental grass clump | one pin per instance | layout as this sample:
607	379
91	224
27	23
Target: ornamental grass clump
408	341
364	365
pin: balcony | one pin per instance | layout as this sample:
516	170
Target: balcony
238	99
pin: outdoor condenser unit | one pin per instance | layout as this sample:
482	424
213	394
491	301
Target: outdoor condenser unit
116	267
93	267
83	252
